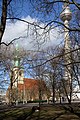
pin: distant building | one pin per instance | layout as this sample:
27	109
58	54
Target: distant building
76	94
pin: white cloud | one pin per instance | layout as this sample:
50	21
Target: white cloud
17	29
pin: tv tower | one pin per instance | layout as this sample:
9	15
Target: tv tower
66	16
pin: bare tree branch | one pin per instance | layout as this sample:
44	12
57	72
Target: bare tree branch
12	41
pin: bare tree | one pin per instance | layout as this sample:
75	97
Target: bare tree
50	16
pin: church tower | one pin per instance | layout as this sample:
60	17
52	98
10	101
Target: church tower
18	72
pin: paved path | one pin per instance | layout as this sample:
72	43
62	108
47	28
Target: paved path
7	107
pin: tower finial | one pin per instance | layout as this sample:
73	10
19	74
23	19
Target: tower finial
66	3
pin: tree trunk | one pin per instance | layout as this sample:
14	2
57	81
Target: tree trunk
53	89
11	84
3	19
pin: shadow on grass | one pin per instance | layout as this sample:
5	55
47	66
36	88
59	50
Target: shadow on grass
25	116
17	114
54	112
72	110
60	112
29	115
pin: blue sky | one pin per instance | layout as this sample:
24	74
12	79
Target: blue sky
25	11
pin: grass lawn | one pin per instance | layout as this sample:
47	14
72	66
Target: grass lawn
46	112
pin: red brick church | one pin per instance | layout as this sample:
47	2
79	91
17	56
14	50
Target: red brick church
29	90
25	89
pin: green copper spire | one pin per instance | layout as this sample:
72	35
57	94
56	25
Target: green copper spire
16	56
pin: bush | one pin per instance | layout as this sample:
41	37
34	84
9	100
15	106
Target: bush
36	101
